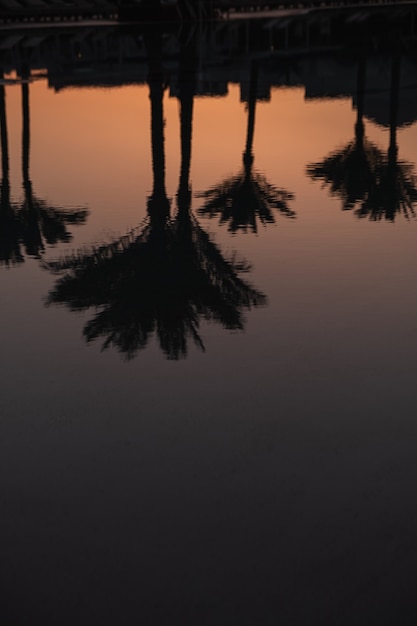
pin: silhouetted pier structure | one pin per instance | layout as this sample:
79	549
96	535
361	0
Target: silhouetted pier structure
295	33
319	55
16	11
51	11
116	55
316	51
258	56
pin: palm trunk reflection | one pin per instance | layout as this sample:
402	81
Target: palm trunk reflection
10	248
395	191
166	276
374	184
41	223
248	197
26	227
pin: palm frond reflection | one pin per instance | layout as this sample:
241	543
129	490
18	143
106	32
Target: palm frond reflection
375	184
158	283
26	227
248	197
166	276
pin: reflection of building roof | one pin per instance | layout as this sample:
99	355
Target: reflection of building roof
377	98
321	77
112	56
332	77
377	108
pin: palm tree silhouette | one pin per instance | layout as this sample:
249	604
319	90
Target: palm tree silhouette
210	281
165	276
395	189
10	248
26	227
40	222
371	183
350	171
247	197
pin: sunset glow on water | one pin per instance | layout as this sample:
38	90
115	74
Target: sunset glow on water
208	330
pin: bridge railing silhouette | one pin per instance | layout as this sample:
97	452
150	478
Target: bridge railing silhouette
162	10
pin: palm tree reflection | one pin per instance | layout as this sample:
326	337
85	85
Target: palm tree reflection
10	252
27	226
248	197
376	185
165	276
41	223
350	171
395	191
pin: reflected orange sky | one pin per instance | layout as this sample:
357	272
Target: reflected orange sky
91	147
262	473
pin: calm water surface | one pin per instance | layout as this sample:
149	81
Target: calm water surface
208	335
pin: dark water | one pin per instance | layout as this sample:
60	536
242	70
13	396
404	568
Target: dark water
208	327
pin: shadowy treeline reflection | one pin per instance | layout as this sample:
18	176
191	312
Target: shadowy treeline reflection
167	275
374	184
255	54
26	227
244	199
